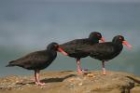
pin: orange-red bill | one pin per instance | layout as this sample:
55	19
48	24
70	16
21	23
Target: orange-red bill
62	51
127	44
102	40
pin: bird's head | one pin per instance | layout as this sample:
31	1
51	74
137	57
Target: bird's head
120	39
55	46
96	37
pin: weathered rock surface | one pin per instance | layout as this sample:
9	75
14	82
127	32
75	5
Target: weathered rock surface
70	82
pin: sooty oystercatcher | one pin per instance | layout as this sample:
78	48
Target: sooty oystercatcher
107	50
38	60
71	47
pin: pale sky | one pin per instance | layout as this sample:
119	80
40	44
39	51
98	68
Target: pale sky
73	0
18	22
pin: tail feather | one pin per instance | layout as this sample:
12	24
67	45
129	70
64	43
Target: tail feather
11	63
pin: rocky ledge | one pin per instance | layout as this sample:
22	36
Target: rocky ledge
70	82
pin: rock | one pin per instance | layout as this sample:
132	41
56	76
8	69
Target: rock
70	82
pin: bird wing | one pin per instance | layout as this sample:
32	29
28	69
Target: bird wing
72	46
99	50
32	60
102	48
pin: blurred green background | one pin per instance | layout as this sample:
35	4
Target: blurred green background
30	25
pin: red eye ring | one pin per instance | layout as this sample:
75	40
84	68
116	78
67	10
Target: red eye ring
98	35
120	38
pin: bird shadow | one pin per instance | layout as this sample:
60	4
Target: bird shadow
134	79
57	79
46	80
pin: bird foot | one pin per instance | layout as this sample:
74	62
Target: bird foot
105	73
39	83
82	71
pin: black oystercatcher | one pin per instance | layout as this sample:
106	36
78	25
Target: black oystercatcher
107	50
38	60
71	47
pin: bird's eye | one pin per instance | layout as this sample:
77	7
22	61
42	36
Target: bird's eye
120	38
56	46
98	35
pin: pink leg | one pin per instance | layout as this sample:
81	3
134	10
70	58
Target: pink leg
103	67
37	81
79	69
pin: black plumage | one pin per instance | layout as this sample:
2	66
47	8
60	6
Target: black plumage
38	60
107	50
71	47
